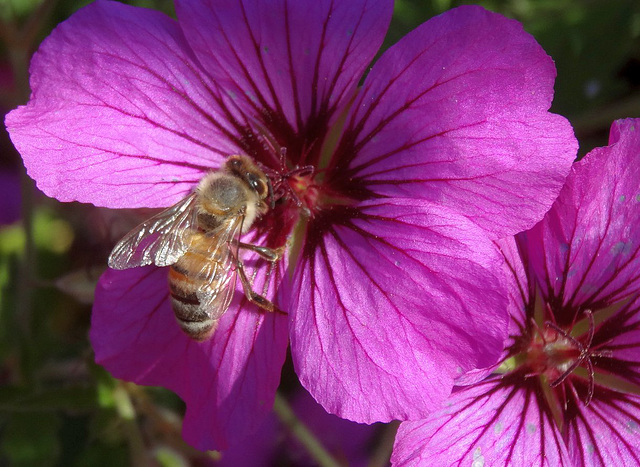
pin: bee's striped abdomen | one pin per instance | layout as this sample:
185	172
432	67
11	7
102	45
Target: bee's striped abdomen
186	277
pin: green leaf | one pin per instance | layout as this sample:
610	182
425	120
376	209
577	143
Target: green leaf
31	439
76	398
10	9
104	455
167	457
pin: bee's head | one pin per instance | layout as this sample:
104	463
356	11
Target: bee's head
248	171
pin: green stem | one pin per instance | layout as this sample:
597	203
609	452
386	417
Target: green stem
36	21
298	429
127	413
25	285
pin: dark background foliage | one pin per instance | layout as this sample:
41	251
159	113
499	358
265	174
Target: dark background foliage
56	406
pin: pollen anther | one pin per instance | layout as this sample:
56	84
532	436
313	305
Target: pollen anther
554	351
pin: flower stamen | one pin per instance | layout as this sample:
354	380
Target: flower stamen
584	357
554	350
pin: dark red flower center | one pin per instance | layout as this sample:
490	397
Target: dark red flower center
313	189
552	353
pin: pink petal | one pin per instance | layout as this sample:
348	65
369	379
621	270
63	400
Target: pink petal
486	424
518	285
518	294
590	241
120	114
616	342
607	431
227	382
393	305
456	113
292	58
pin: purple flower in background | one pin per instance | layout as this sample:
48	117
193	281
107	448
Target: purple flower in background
9	196
273	444
568	390
391	281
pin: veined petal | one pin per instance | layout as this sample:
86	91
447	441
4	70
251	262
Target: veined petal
518	285
292	59
606	432
590	238
457	113
227	382
120	114
518	296
391	306
491	423
616	343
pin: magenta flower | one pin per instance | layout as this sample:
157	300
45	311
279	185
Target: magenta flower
10	200
391	282
568	390
273	444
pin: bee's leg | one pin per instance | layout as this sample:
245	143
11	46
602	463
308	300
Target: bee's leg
252	296
270	254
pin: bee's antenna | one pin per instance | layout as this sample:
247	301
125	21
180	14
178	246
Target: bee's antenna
271	146
272	202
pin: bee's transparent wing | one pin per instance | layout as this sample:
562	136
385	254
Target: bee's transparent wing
160	240
216	292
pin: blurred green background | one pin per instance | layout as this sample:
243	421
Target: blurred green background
56	406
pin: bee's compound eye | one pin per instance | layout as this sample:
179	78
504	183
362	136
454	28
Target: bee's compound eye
253	181
257	184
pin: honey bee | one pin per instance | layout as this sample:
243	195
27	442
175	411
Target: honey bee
199	238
